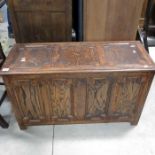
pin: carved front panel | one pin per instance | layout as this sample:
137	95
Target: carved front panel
48	99
78	99
30	101
61	99
97	97
126	93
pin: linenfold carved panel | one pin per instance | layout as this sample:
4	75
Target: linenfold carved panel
97	91
125	95
49	99
77	99
61	98
29	104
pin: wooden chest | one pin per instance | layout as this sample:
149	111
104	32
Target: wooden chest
62	83
111	20
41	20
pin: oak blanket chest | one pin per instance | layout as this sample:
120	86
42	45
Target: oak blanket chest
63	83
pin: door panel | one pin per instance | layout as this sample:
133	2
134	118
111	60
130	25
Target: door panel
49	5
37	27
49	20
110	20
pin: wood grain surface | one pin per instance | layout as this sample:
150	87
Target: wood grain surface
77	57
111	20
49	20
64	83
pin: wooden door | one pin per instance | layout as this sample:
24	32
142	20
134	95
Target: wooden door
48	20
111	20
141	20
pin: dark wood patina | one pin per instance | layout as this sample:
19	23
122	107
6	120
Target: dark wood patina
63	83
41	20
111	20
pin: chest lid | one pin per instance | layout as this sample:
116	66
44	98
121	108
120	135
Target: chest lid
77	57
